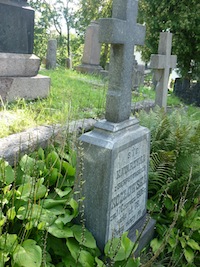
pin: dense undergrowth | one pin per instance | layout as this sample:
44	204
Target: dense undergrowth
38	205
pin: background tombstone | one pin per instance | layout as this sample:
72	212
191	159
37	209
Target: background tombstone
138	75
68	62
18	66
51	54
116	152
92	49
162	63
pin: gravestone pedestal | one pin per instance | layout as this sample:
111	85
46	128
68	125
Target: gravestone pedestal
18	66
116	158
19	78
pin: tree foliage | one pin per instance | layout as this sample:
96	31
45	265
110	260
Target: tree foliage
49	21
182	18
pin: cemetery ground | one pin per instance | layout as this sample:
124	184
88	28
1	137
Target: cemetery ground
72	96
38	203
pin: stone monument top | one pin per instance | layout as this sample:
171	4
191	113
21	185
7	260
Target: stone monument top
14	2
123	33
16	27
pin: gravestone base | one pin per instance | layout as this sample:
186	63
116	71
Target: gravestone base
19	65
145	226
89	68
13	88
115	169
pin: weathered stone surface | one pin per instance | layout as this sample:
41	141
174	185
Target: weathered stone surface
91	52
116	157
51	54
123	33
15	65
12	88
162	63
113	174
16	145
16	27
145	105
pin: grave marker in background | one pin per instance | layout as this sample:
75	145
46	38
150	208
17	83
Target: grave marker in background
162	63
116	152
92	49
51	54
18	66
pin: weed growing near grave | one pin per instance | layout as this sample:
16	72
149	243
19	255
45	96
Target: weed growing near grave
174	188
36	216
38	206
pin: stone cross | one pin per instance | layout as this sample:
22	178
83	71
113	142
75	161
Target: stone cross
123	33
163	62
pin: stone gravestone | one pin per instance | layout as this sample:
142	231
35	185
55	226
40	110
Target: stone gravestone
138	75
116	153
18	66
92	49
162	63
51	54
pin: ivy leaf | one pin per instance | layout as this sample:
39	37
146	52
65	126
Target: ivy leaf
9	174
60	232
27	164
119	249
84	237
28	254
4	257
66	167
86	259
69	261
11	213
26	190
193	244
63	193
189	254
74	248
52	203
155	244
133	262
8	242
99	262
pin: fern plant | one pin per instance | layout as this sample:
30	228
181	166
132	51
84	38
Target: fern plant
175	149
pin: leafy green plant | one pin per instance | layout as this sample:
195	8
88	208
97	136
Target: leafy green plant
173	197
36	216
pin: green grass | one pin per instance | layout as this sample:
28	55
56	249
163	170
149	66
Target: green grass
72	96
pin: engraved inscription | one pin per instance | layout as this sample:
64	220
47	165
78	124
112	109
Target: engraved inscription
129	190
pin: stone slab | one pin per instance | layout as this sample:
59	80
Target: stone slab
145	228
16	145
87	68
12	88
16	27
115	164
15	65
92	47
51	54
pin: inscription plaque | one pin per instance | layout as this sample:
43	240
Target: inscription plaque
129	189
